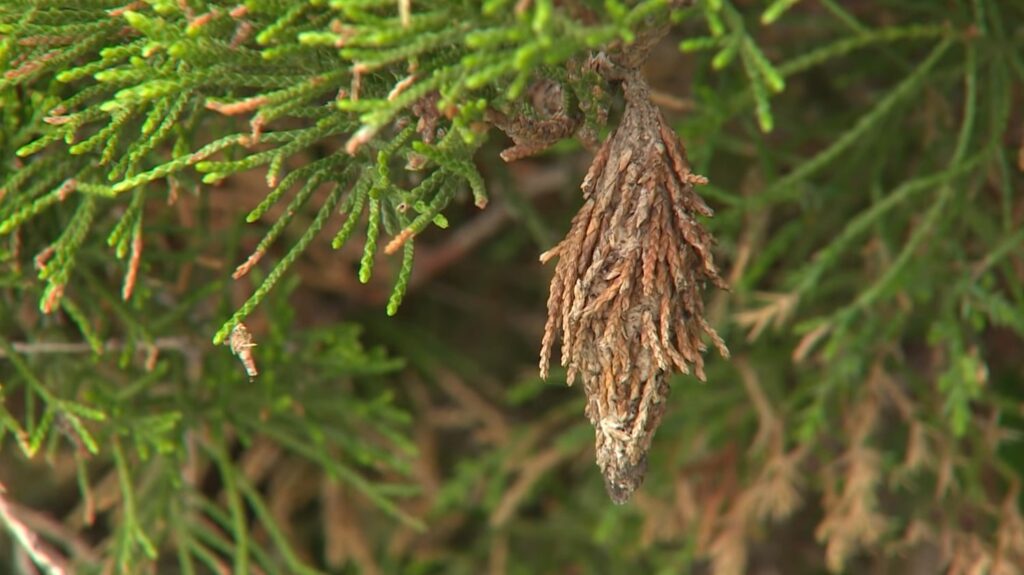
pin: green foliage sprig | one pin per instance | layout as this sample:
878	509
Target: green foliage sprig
134	86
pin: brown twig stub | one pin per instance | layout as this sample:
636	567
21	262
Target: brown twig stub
626	296
396	244
236	108
131	275
250	262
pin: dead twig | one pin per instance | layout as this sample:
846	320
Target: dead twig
28	541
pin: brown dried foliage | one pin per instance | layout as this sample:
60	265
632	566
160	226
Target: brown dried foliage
532	135
625	299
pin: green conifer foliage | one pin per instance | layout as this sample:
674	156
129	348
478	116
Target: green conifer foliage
173	172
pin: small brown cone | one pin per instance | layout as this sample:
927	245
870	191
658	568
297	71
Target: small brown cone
626	295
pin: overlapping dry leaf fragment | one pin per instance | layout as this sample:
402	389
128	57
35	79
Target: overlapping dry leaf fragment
626	294
241	344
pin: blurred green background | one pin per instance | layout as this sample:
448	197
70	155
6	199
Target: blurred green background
866	162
